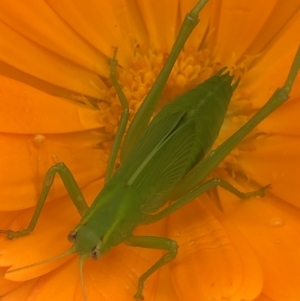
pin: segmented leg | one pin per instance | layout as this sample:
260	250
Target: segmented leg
123	118
72	188
152	242
197	192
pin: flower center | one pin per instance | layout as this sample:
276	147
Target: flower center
192	67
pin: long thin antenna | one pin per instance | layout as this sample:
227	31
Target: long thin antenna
82	259
69	252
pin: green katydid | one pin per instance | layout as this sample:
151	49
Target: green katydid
165	160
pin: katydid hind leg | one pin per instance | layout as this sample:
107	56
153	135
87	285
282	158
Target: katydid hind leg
206	166
72	189
123	118
200	190
152	242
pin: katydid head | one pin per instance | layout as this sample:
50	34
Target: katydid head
87	244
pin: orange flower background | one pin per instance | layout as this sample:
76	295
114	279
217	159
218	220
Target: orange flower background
57	104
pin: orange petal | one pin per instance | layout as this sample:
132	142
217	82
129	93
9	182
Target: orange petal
285	120
20	293
40	24
272	66
235	29
160	21
48	239
6	285
252	270
272	228
103	32
209	264
205	18
164	289
275	162
41	149
25	110
283	18
131	23
28	170
263	297
47	65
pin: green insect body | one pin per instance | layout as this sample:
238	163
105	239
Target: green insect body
166	159
142	183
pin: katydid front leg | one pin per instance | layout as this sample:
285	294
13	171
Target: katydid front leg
72	189
123	118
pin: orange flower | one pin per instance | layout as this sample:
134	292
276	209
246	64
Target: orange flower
57	104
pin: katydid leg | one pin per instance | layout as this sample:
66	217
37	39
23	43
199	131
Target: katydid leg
72	189
152	242
143	115
212	160
123	118
197	192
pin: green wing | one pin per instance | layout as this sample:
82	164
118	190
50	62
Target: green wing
148	145
160	159
161	175
175	140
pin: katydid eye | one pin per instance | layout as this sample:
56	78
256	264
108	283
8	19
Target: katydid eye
72	236
95	253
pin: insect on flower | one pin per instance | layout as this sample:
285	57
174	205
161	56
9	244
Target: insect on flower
164	163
